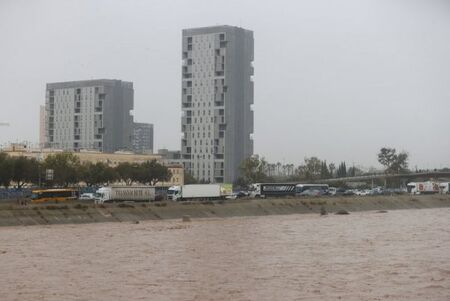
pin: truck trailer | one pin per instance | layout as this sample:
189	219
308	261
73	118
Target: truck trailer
423	187
199	192
262	190
125	193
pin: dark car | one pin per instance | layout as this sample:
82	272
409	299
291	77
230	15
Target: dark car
349	192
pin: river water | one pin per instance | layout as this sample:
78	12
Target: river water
399	255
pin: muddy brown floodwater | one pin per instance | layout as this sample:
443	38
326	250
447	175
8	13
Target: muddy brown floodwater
399	255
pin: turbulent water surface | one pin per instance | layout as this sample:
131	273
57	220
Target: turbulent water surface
399	255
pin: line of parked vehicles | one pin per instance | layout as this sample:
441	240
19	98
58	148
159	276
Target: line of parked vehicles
293	189
136	194
225	191
262	190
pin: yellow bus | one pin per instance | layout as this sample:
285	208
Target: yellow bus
53	195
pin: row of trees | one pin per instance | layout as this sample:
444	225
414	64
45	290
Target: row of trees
257	170
68	170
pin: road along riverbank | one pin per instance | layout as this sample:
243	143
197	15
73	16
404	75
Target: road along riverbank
12	214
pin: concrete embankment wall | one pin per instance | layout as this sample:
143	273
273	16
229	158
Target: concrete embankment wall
73	213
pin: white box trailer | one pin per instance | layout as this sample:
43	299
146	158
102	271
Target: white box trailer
125	193
423	187
199	191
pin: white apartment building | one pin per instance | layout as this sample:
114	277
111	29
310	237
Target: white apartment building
91	114
217	94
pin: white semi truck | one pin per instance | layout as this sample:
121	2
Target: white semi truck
423	187
125	193
444	187
199	192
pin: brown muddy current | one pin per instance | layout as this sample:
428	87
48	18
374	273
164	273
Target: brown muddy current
399	255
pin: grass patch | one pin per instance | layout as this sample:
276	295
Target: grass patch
56	207
81	207
125	205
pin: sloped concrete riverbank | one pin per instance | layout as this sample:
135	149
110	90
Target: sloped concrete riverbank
75	213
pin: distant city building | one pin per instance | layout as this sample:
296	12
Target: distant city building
170	156
217	94
42	126
142	140
91	114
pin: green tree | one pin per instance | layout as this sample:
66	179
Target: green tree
97	174
151	172
127	172
341	172
34	168
6	170
331	168
354	171
324	172
188	178
311	169
25	170
392	161
253	170
66	168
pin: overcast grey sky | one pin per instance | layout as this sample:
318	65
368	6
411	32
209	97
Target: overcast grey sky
334	79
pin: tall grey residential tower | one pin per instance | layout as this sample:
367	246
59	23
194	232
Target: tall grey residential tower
142	140
217	94
91	114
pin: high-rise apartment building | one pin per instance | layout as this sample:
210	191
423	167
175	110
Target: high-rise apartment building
41	126
217	94
142	140
91	114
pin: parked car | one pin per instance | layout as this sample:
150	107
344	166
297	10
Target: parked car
87	196
332	191
362	192
376	191
340	191
348	192
312	192
241	194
